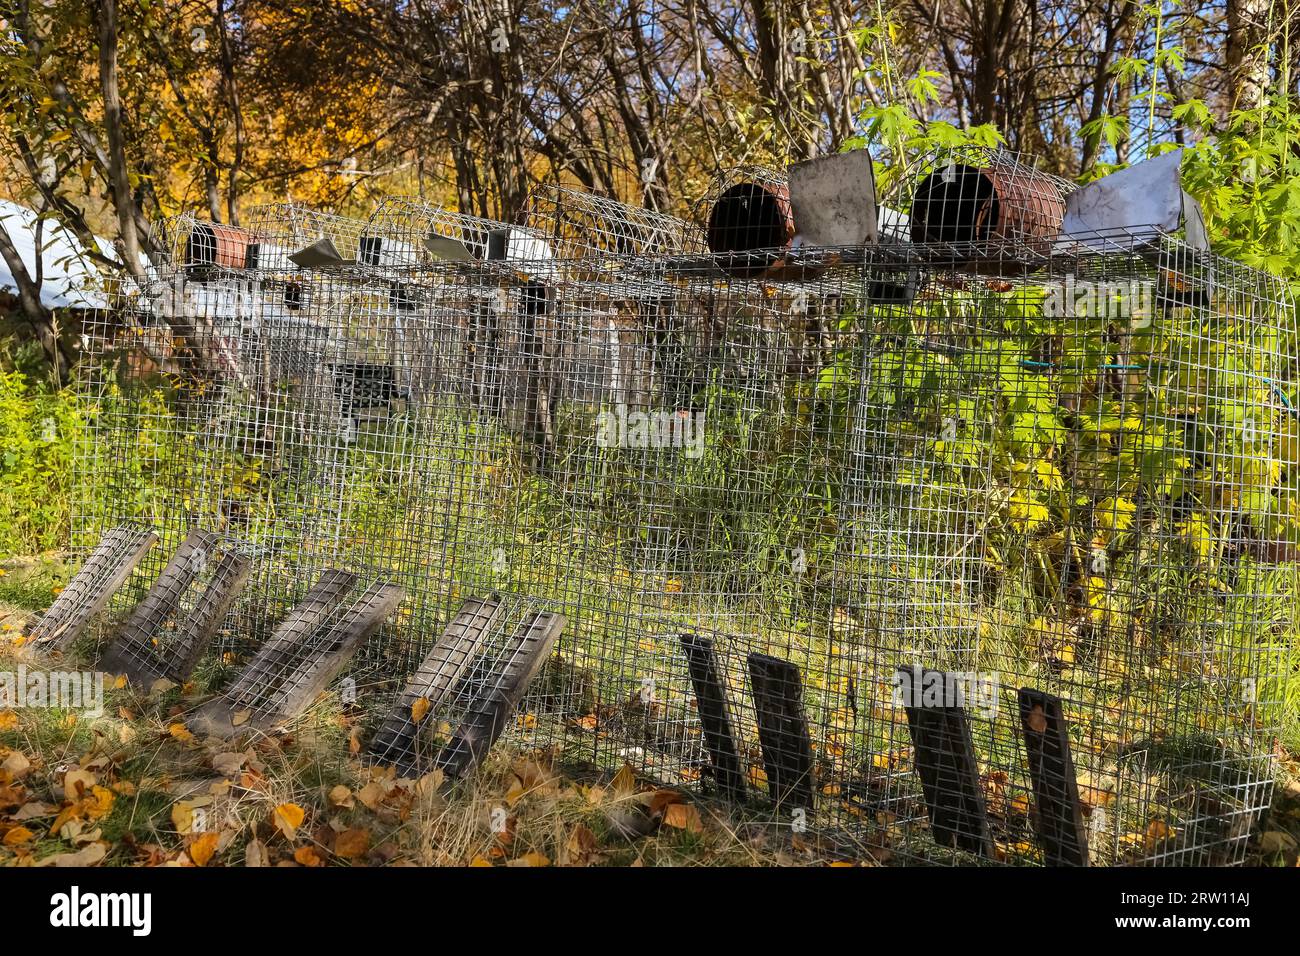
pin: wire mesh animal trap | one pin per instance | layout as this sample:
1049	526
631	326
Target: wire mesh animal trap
1001	568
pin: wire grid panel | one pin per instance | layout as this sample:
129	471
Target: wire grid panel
1079	481
583	225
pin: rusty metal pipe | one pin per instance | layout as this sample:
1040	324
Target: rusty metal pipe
987	211
750	227
213	245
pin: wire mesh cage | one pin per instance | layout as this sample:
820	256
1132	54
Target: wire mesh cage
936	572
583	225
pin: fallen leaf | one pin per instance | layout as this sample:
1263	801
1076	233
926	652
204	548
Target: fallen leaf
202	849
88	855
255	853
17	835
288	817
240	717
30	811
8	720
76	782
352	843
581	844
419	708
228	764
180	732
307	856
624	782
341	796
16	764
530	859
683	816
372	794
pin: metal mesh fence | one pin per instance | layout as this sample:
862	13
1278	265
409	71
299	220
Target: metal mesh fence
1067	470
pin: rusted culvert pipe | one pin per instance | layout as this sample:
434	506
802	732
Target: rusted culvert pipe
750	226
213	245
973	207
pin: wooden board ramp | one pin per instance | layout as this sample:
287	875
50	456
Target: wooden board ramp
1059	813
170	629
399	740
504	684
315	643
106	569
944	756
782	732
715	715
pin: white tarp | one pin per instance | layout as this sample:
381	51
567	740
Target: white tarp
69	277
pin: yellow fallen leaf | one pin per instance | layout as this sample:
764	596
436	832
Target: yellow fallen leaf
480	861
8	720
530	859
180	732
624	782
288	818
17	835
202	849
683	816
240	718
341	796
183	816
99	802
307	856
419	709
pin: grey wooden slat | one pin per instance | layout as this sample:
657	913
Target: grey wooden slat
437	676
782	731
714	713
143	662
104	571
486	717
201	624
322	641
344	638
161	601
273	657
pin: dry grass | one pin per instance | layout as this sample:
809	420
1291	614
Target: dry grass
131	786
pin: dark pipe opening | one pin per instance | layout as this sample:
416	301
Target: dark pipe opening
201	246
746	217
954	204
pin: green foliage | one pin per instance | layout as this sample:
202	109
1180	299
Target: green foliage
1247	177
40	428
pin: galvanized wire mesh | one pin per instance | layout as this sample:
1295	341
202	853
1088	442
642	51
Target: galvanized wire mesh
1070	472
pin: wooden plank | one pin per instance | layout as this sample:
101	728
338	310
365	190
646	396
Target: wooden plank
397	740
1059	816
342	640
161	601
138	650
782	731
105	570
324	638
945	761
715	714
273	657
506	683
210	610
